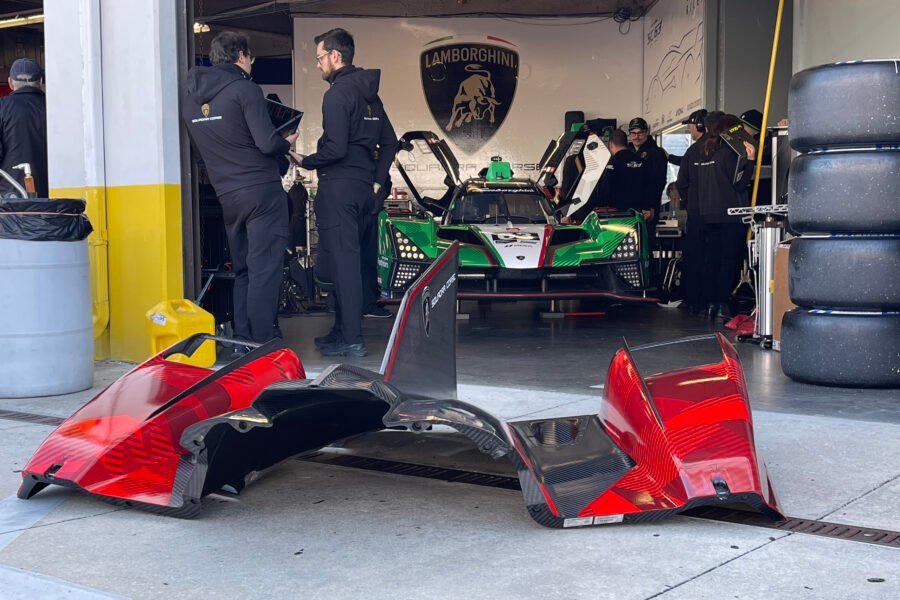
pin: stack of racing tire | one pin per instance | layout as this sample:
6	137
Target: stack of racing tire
844	200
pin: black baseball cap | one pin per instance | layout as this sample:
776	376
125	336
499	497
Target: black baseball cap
753	118
638	123
25	69
696	117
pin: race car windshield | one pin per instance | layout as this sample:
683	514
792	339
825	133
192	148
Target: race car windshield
498	208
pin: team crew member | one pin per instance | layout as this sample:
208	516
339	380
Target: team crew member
752	121
622	184
352	158
687	185
722	184
655	160
227	118
23	124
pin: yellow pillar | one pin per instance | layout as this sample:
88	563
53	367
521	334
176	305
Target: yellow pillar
113	138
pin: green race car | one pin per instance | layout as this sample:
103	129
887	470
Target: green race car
512	245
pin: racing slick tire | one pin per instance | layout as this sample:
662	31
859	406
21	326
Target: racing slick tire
845	192
845	273
834	349
845	104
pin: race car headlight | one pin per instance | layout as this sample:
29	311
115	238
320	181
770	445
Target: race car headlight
629	248
411	261
406	249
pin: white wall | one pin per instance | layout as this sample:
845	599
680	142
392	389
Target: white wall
565	64
827	31
674	61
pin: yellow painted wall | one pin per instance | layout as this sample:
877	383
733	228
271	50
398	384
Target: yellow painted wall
136	261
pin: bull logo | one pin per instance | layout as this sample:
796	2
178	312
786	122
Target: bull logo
475	99
204	108
469	88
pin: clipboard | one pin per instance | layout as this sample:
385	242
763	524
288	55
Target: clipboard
284	118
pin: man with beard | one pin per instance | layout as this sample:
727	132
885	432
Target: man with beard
352	160
655	162
227	117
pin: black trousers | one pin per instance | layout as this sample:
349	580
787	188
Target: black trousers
342	207
256	224
723	251
368	247
692	263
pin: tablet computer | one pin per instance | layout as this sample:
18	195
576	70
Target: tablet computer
284	118
735	138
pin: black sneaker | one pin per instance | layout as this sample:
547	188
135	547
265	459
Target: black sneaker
378	312
344	350
327	340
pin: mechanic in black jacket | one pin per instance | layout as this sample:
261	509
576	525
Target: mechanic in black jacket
622	185
227	118
723	178
352	160
688	188
23	125
655	176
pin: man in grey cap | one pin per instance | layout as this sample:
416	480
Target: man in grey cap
23	124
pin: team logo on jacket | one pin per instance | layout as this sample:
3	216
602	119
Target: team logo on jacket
204	108
469	88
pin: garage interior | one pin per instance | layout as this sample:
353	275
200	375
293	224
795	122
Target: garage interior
315	530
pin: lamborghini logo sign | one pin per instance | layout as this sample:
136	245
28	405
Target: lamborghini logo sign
469	88
205	110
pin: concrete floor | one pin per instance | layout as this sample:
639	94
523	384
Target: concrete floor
315	531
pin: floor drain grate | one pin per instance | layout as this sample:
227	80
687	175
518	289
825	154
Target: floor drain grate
413	470
838	531
11	415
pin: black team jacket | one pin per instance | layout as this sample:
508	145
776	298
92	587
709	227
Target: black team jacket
622	186
656	162
358	140
23	135
226	115
723	184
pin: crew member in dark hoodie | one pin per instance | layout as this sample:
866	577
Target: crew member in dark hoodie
23	124
227	118
352	159
655	171
723	178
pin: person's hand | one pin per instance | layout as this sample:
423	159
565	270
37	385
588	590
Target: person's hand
784	123
297	158
293	137
375	187
648	213
565	221
751	151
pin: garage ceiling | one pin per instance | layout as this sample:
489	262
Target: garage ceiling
274	16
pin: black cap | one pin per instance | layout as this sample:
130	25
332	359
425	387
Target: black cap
753	118
25	69
696	117
638	123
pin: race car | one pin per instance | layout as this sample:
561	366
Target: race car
512	243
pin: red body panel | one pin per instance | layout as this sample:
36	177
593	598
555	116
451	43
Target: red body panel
684	429
125	443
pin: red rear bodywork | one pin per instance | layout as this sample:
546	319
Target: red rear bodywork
124	444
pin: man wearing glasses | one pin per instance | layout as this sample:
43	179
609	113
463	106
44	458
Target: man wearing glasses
226	115
352	160
655	170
